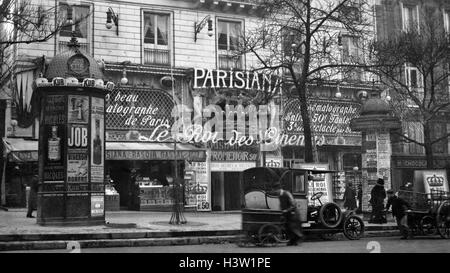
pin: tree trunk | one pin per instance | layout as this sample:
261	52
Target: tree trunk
428	146
306	123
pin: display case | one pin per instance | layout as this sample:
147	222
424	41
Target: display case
154	196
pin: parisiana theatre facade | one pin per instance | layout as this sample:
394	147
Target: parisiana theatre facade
163	55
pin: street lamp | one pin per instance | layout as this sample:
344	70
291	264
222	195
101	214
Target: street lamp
110	17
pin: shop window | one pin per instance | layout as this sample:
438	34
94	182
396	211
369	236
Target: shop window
156	38
81	27
229	33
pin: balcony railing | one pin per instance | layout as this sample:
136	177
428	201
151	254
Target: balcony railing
156	56
63	47
230	61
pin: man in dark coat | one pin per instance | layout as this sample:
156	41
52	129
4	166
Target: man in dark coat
32	198
378	194
289	209
399	207
350	197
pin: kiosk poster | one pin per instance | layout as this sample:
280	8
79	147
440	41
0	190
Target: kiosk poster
97	140
200	186
78	107
435	180
52	142
97	205
77	156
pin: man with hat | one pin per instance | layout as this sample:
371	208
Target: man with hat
290	212
377	196
399	207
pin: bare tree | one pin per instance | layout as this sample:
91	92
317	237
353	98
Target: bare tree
21	23
414	65
303	39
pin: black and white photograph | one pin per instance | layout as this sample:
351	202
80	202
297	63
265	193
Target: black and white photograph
225	133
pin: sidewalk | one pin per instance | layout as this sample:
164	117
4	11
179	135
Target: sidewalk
132	228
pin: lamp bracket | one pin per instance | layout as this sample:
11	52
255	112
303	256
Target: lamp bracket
199	26
115	18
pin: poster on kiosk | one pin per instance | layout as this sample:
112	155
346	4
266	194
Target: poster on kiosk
320	183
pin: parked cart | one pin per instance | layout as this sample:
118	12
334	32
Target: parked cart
430	213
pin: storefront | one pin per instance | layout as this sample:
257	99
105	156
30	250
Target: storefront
19	166
140	152
227	164
404	167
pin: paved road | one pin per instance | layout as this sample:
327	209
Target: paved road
365	245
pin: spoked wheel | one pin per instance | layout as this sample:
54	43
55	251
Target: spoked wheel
353	228
427	225
270	235
443	220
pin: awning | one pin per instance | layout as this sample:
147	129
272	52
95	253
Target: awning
21	150
153	151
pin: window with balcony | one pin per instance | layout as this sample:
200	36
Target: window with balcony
156	38
81	27
229	33
410	17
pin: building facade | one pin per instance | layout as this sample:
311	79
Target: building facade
393	18
150	52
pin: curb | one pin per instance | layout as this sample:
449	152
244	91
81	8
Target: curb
141	242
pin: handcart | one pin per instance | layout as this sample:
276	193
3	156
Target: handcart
429	213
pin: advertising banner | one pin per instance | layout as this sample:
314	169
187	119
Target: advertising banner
97	205
97	140
78	109
199	185
54	135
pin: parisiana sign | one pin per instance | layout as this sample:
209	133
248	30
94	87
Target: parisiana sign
230	79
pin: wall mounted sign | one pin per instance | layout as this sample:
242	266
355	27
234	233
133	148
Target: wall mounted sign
328	118
138	115
154	155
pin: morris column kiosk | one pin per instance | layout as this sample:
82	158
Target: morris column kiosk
376	122
71	103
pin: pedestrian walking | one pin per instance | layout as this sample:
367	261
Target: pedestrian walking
378	194
399	207
350	197
32	197
291	214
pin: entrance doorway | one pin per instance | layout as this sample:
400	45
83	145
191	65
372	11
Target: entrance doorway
226	191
